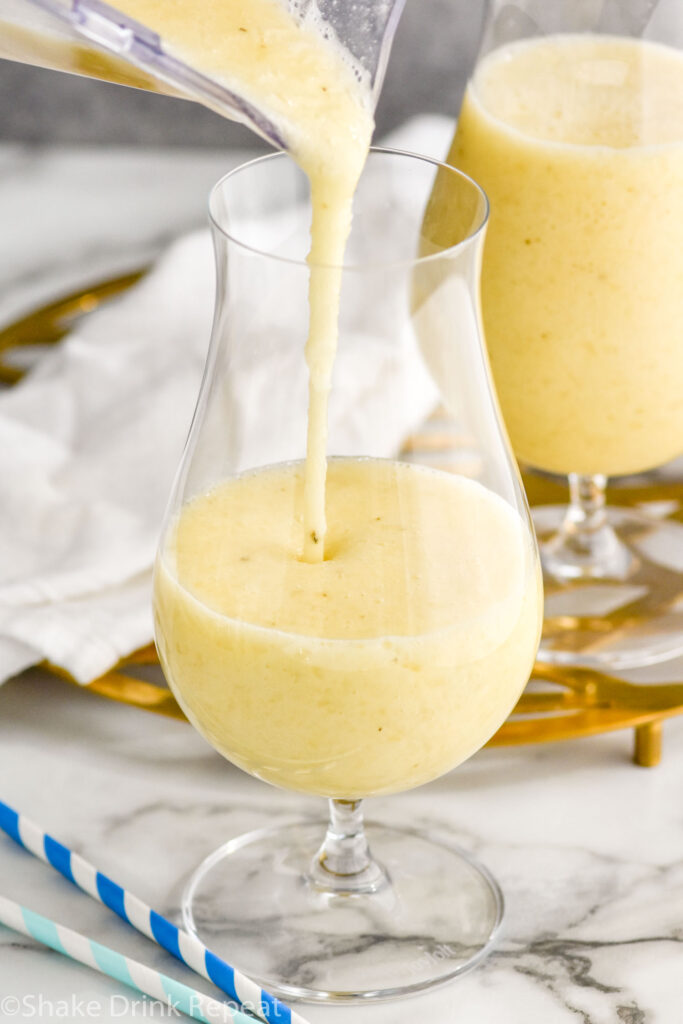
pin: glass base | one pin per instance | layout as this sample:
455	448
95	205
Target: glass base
253	902
621	610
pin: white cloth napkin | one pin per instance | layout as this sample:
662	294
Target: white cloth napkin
89	444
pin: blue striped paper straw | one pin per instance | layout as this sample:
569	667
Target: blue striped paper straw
181	944
124	969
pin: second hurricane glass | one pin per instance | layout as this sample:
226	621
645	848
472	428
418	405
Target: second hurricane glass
573	123
397	656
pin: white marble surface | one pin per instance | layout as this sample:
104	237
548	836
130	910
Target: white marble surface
588	848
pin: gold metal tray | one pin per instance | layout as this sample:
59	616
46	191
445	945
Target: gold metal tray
559	703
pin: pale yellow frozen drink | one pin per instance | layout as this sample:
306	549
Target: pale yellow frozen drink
376	670
578	141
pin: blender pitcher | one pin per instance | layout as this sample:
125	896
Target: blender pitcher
94	39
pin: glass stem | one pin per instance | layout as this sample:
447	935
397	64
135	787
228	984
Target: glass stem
344	864
586	546
587	512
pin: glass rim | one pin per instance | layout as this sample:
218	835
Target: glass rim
447	251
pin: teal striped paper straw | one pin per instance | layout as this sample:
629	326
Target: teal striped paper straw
185	947
107	961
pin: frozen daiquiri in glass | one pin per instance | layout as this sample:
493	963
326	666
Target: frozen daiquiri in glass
384	650
577	138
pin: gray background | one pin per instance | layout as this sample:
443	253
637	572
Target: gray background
435	47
